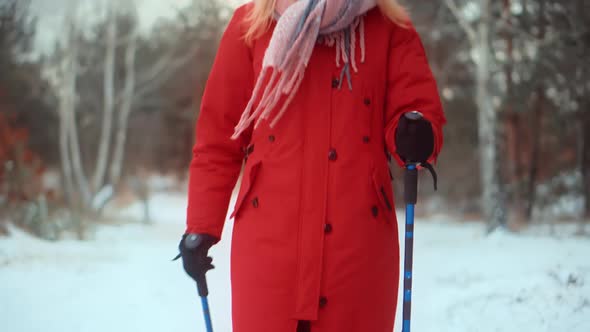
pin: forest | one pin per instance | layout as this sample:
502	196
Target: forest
110	106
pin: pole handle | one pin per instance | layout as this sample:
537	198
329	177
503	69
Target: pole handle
202	286
411	184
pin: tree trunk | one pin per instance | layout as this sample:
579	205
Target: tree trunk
585	166
585	114
125	110
70	98
492	197
66	166
109	101
513	122
531	193
538	105
65	86
77	167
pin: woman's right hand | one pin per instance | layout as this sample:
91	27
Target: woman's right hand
194	249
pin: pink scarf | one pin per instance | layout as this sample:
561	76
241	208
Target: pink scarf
300	24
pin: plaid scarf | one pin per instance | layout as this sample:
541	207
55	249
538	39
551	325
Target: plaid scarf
300	25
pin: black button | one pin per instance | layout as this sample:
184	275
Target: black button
335	83
328	228
332	155
366	139
255	202
374	210
271	138
367	101
323	301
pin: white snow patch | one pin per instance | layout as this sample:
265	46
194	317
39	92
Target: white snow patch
161	182
123	280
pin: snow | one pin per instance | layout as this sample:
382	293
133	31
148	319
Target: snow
561	197
122	279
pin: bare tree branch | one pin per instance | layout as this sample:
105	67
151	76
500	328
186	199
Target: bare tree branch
469	30
127	98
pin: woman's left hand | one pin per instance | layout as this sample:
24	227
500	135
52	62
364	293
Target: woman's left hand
414	138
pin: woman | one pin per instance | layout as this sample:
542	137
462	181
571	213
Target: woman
312	94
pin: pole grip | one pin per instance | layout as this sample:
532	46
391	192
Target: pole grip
411	184
202	286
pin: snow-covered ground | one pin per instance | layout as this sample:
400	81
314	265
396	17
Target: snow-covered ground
122	280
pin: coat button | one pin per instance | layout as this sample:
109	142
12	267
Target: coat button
332	155
271	138
367	101
255	202
335	83
328	228
366	139
374	210
323	301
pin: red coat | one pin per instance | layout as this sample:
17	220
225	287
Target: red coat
315	234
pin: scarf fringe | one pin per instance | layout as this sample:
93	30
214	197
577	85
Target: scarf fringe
339	39
286	77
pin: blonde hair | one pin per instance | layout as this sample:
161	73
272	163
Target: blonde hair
261	16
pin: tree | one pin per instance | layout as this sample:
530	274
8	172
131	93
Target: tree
535	70
63	74
127	99
109	97
104	59
480	38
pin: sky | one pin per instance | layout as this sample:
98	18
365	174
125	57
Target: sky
50	14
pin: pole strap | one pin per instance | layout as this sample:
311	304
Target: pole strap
411	181
429	167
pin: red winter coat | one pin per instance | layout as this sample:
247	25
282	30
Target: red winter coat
315	233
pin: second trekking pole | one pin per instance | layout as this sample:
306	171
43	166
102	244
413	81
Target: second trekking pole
411	197
192	242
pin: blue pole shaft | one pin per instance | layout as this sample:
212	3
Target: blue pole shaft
411	194
408	250
206	313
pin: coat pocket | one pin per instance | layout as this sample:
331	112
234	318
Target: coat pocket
383	190
248	179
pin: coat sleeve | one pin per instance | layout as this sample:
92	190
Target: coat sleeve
217	159
411	87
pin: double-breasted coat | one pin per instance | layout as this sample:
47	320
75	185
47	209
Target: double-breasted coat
315	234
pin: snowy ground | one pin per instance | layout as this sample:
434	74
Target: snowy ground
122	280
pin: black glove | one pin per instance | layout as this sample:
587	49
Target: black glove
414	138
193	250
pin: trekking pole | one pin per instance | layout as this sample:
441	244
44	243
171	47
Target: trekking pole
206	313
411	197
203	290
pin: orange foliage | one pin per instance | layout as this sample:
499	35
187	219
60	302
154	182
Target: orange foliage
13	149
